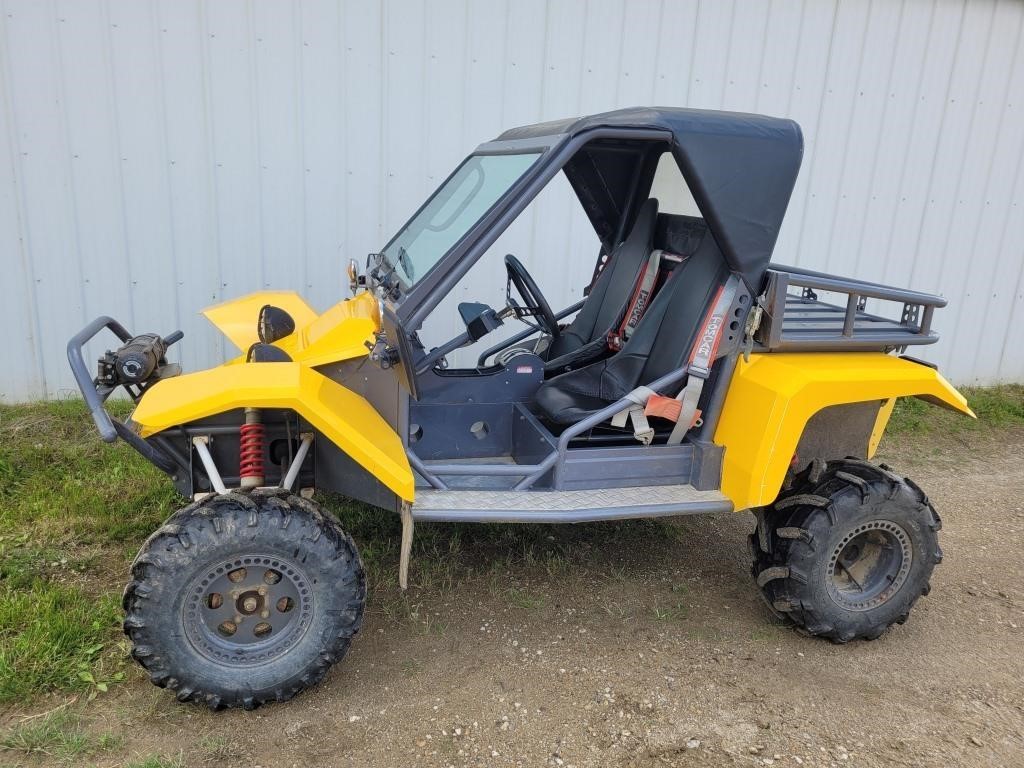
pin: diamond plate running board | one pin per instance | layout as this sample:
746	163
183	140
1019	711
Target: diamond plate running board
565	506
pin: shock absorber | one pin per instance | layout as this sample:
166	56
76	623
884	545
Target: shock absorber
250	454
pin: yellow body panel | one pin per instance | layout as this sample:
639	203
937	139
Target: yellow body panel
338	334
236	319
771	397
342	416
881	422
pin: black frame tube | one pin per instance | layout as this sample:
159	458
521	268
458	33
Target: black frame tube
85	382
95	396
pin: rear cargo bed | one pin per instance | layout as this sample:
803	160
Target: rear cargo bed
794	319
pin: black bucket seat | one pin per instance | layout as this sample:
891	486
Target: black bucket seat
661	343
585	339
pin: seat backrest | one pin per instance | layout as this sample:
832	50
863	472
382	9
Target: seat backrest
686	302
614	285
664	338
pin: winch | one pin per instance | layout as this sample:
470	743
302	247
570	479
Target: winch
139	362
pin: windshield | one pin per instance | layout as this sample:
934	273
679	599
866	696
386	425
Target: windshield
459	204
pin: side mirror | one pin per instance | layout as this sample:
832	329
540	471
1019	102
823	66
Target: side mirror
353	275
480	319
274	324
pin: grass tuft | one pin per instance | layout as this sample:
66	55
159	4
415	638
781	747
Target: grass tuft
57	637
158	761
57	735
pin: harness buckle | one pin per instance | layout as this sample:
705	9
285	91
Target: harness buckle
699	371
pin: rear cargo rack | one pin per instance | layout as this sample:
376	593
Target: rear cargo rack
795	320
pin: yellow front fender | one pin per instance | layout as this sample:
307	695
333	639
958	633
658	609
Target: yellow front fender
342	416
771	397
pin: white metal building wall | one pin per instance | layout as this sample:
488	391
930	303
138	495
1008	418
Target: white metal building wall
160	155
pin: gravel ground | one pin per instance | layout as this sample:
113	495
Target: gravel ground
659	657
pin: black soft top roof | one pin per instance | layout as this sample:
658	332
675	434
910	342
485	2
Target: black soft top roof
741	169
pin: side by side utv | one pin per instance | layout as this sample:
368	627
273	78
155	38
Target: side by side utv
695	376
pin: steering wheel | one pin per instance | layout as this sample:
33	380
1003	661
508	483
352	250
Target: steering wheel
536	305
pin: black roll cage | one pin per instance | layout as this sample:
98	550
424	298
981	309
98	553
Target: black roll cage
414	307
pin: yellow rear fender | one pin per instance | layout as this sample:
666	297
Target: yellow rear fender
772	396
340	415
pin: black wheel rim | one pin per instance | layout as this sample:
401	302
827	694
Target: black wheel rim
869	565
247	610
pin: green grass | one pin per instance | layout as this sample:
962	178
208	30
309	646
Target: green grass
71	509
57	637
157	761
58	735
997	408
73	512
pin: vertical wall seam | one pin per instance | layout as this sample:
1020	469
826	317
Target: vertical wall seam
504	59
345	139
213	181
165	143
255	104
999	130
385	95
968	135
814	132
76	239
876	152
759	85
1007	328
300	137
728	53
847	132
540	106
118	159
796	56
21	203
938	142
910	138
693	54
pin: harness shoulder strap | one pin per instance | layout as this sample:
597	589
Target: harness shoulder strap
702	356
682	408
638	302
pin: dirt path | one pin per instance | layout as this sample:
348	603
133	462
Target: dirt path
659	655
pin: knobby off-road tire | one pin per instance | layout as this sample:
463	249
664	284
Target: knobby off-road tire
846	554
242	599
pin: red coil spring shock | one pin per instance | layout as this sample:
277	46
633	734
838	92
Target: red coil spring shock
250	455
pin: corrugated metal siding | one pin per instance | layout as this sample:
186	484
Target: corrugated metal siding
157	156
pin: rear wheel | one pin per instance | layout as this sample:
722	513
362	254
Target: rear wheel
847	554
241	599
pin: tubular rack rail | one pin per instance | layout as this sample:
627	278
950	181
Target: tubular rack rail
801	322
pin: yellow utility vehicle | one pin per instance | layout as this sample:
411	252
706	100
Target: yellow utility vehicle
694	377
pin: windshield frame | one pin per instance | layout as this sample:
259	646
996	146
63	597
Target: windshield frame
540	146
394	272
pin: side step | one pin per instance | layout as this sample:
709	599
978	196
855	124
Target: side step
541	506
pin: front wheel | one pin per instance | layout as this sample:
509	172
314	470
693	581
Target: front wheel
846	555
242	599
